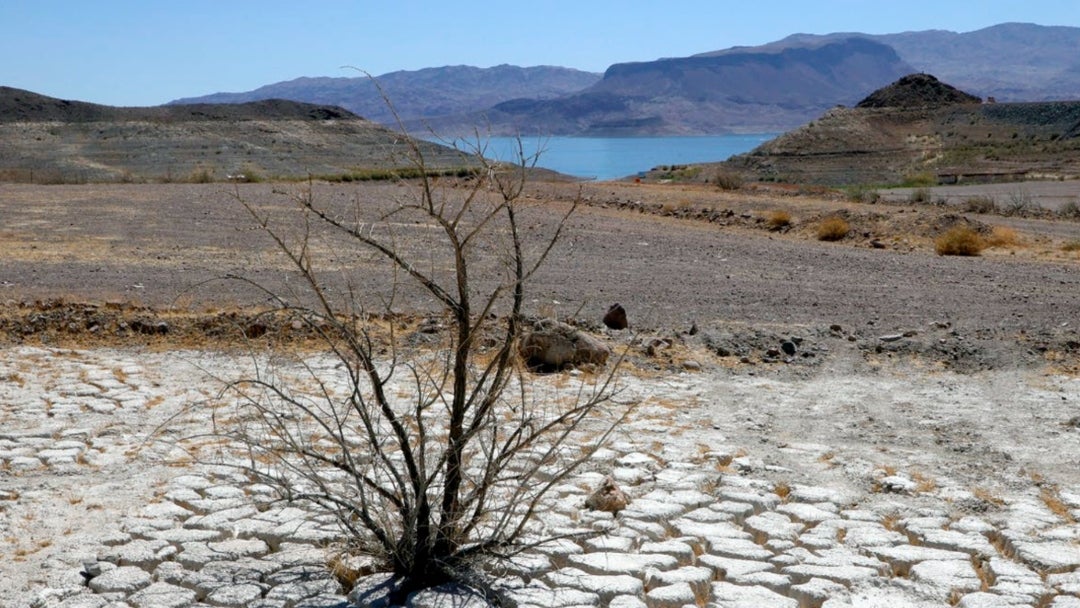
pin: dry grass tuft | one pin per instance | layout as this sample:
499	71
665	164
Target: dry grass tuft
923	483
1049	495
778	219
959	240
833	229
1003	236
987	496
782	489
347	570
980	564
15	378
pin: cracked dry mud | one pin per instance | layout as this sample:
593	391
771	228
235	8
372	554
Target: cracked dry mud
924	455
901	488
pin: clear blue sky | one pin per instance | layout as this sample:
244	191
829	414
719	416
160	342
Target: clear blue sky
147	52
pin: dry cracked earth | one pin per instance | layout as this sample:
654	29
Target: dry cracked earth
847	425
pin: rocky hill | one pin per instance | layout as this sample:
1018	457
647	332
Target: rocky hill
43	139
920	129
419	94
917	91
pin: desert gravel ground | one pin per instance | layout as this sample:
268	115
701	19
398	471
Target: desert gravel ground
848	426
166	244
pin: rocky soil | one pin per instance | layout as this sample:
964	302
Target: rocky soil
819	424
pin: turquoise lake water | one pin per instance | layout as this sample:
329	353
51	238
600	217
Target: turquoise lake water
614	157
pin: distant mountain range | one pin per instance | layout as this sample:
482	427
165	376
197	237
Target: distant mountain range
420	94
748	92
773	87
1010	62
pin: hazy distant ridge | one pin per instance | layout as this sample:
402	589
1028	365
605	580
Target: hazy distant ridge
772	87
422	93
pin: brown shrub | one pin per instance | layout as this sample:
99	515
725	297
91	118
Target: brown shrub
778	219
1003	236
959	240
980	204
727	180
832	229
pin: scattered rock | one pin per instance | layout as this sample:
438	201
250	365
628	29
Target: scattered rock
616	317
608	497
552	346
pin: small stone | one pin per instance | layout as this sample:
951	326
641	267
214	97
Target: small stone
615	318
608	498
91	568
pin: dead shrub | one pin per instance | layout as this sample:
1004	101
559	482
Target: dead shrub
1070	210
778	219
920	195
980	204
833	229
435	463
863	194
1003	236
727	180
959	240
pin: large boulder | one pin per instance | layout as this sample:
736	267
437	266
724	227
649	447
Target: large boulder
551	346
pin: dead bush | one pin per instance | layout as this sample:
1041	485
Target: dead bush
435	461
728	180
778	219
1003	236
959	240
980	204
920	195
833	228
